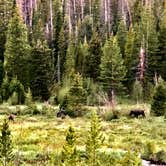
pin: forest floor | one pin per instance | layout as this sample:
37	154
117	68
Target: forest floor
38	137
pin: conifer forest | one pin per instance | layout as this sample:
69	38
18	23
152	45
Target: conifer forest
82	82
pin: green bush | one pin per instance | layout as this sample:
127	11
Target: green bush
158	105
13	100
16	86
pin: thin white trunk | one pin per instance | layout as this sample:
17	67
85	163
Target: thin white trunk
82	10
58	72
70	26
105	12
51	20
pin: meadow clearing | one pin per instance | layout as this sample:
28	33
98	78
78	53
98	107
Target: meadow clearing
38	139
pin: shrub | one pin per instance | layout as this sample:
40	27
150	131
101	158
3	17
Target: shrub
69	152
5	89
158	105
13	100
131	158
6	148
28	97
16	86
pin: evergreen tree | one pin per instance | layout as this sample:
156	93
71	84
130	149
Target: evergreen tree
28	97
112	67
150	37
17	88
158	105
6	152
96	13
17	49
5	15
69	152
162	45
57	28
92	62
41	69
137	93
62	45
131	60
5	89
82	53
76	96
70	59
122	36
94	140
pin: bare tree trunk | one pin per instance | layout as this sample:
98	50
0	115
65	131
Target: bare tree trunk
51	21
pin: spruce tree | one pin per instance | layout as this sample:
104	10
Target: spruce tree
17	49
57	28
5	15
17	88
62	45
69	152
150	37
5	89
6	147
131	59
82	53
76	96
122	36
158	105
93	60
112	67
70	59
96	13
42	65
94	140
162	45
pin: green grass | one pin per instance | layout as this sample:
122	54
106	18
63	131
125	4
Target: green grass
37	138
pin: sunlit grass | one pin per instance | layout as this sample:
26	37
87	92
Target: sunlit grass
38	136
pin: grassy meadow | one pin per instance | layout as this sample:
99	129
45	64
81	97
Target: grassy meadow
38	139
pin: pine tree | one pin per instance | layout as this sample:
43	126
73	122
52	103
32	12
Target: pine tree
5	89
82	53
92	62
41	70
5	15
28	97
76	96
94	140
62	45
17	88
158	105
112	67
70	59
6	148
69	152
150	36
17	49
122	36
137	93
162	45
131	60
57	28
96	13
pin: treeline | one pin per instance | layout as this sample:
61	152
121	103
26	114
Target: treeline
57	48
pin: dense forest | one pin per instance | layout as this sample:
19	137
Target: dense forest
82	82
113	45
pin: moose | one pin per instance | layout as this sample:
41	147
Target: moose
61	113
11	117
137	112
